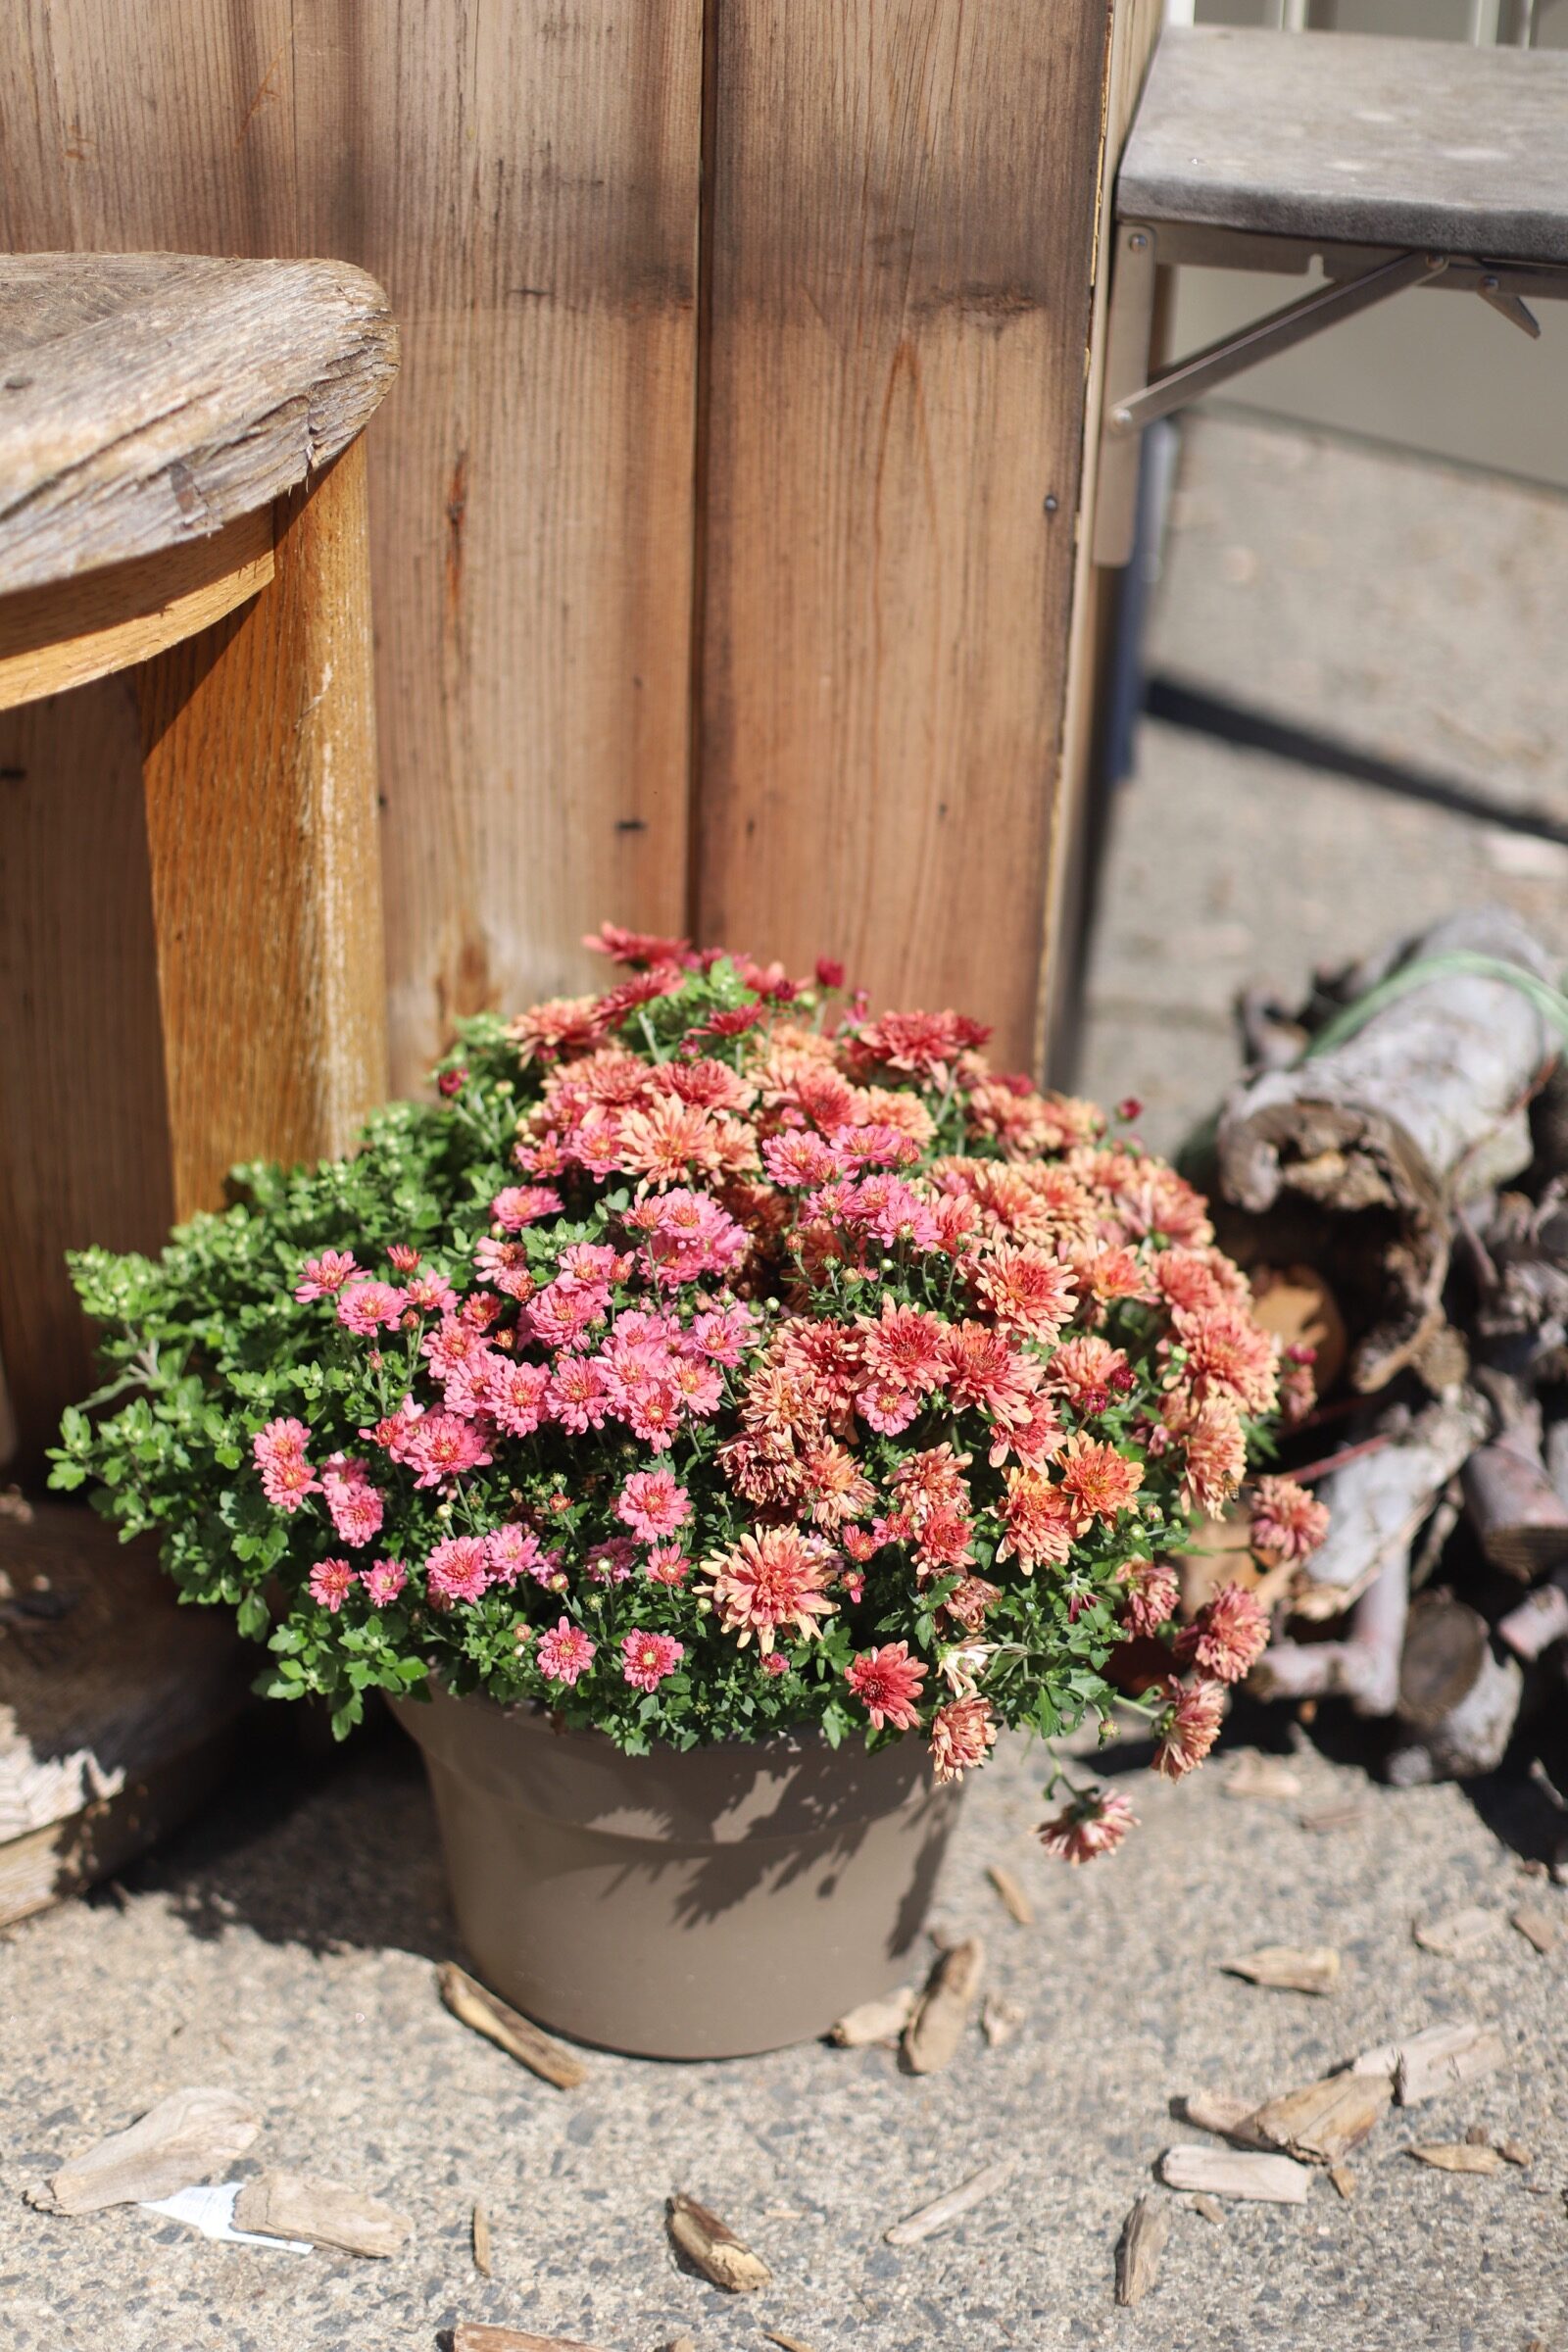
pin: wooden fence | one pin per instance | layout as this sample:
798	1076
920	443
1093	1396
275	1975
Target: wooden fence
726	546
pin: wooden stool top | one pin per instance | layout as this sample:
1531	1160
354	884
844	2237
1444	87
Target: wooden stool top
147	400
1354	138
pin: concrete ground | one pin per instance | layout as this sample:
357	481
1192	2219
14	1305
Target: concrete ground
286	1946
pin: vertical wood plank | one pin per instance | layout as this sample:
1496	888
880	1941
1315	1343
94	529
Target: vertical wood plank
903	205
1133	32
258	764
83	1132
523	178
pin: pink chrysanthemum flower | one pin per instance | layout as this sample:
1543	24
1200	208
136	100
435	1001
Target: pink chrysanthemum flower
648	1659
1227	1636
564	1652
384	1580
322	1277
441	1446
331	1583
1188	1728
1288	1523
653	1505
668	1565
457	1570
1094	1823
770	1580
279	1452
366	1307
356	1508
1152	1594
962	1732
511	1551
610	1562
1102	1482
887	1683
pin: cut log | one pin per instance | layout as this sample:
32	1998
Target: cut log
1422	1108
1539	1620
1458	1697
118	1707
1520	1520
1364	1668
1377	1503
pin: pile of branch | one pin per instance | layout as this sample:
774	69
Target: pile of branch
1402	1144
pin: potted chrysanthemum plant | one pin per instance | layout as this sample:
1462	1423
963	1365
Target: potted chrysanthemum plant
708	1420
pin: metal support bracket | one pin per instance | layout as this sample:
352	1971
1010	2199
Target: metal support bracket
1132	400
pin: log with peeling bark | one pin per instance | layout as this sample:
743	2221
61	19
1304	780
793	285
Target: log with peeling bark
1520	1520
1459	1700
1363	1668
1378	1501
1420	1110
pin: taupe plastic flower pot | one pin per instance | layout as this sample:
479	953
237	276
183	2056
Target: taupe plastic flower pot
709	1904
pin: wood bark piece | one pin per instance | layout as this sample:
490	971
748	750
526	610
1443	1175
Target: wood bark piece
479	2240
1286	1969
326	2212
1222	2112
1268	1779
1538	1926
1000	2019
1326	2119
785	2342
468	2001
1209	2207
1513	2151
1439	2059
1014	1901
1459	2156
1377	1504
1458	1696
476	2335
933	2034
714	2248
1231	2173
184	2138
1458	1934
152	398
941	2214
1416	1113
1142	2243
1343	2181
881	2020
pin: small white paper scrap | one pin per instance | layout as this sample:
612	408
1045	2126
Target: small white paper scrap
212	2212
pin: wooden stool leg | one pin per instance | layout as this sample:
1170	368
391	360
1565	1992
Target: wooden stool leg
83	1130
261	825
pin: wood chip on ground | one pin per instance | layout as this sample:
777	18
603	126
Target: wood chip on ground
785	2342
1458	1933
327	2213
1288	1968
1324	2120
1269	1780
1013	1898
1343	2181
1324	1820
713	2246
1441	2058
881	2020
476	2335
184	2138
479	2240
518	2036
933	2034
1538	1926
1515	2151
1221	2112
941	2214
1458	2156
1140	2247
1235	2173
1209	2207
1000	2019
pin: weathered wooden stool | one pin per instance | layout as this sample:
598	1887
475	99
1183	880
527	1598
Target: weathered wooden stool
191	957
1392	163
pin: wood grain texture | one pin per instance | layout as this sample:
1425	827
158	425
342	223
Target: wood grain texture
83	1122
260	774
1356	136
523	180
147	400
54	638
1135	30
904	207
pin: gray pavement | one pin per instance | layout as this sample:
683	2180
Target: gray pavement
286	1946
